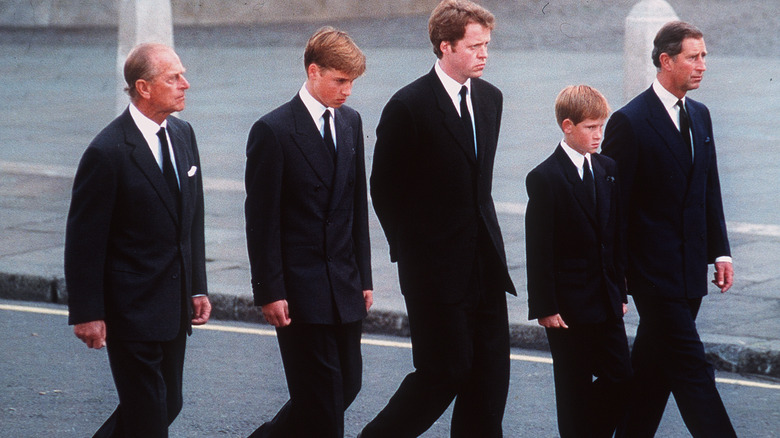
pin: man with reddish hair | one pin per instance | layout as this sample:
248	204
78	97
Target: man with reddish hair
431	187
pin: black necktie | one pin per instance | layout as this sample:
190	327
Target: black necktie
587	179
167	165
685	127
327	135
465	116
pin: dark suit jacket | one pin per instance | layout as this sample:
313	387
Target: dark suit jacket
431	193
674	215
130	259
573	251
307	223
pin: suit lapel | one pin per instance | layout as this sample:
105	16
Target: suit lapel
482	124
575	182
144	160
184	160
603	192
451	119
311	144
661	122
345	150
701	140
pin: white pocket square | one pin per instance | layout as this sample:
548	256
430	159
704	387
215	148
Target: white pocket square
193	170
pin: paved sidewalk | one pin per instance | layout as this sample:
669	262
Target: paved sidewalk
66	85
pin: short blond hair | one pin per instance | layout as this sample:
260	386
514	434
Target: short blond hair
449	19
330	48
580	102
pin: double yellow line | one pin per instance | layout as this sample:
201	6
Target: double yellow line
365	341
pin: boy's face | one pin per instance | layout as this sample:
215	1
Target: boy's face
329	86
584	137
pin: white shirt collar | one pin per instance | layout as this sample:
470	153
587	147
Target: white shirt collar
315	108
669	101
147	126
149	129
451	86
577	158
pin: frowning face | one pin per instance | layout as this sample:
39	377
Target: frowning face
466	58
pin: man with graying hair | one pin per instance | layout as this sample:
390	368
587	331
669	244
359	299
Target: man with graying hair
664	147
135	263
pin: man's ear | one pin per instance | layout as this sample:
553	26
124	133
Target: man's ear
666	61
445	47
142	86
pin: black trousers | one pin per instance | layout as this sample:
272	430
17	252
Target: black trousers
324	367
668	357
148	378
461	352
586	407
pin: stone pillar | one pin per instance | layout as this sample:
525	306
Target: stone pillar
140	21
642	23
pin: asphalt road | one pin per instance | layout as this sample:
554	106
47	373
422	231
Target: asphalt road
52	385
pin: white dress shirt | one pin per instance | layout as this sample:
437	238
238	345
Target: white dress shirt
149	129
452	87
577	158
669	102
316	110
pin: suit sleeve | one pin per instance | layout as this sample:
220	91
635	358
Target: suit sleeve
717	236
540	243
360	231
619	144
263	179
87	234
395	135
621	248
197	236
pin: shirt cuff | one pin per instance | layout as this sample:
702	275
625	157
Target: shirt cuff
723	259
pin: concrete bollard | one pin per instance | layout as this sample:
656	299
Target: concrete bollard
642	23
140	21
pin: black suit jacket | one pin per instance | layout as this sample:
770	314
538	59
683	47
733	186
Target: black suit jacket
573	249
431	193
674	212
130	258
306	217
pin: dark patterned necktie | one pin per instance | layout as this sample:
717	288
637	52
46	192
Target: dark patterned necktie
167	165
685	127
587	179
465	116
327	135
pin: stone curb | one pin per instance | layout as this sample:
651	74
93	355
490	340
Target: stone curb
735	356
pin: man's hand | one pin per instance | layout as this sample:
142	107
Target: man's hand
276	313
368	297
724	276
93	333
625	308
201	310
552	321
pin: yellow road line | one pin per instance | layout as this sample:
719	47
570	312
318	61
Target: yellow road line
365	341
29	309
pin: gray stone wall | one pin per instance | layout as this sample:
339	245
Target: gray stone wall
81	13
